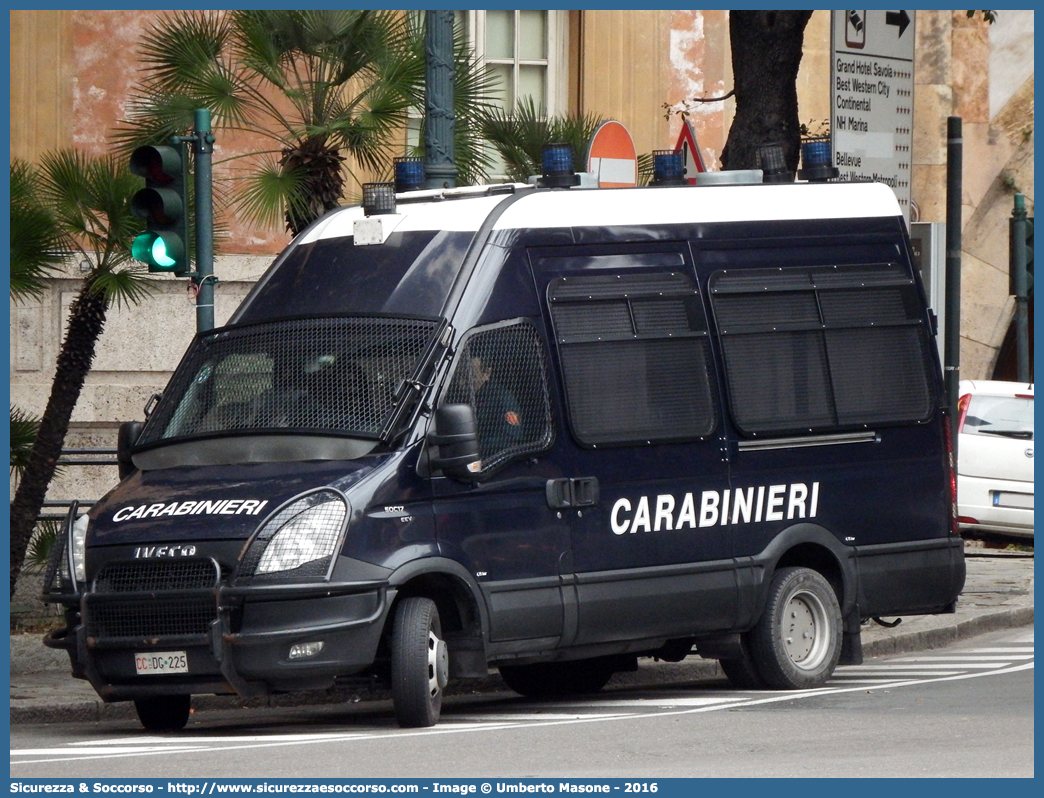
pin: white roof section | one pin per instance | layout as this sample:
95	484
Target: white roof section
700	204
624	207
447	214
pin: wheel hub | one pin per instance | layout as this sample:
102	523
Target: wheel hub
804	625
438	664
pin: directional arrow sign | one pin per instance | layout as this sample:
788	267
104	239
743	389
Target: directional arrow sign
898	18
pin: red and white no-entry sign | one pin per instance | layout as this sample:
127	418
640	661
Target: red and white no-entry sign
612	158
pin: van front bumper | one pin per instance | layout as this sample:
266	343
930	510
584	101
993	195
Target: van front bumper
244	647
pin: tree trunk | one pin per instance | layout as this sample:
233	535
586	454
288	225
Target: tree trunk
766	54
86	323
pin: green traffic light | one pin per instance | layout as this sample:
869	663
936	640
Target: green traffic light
161	251
162	203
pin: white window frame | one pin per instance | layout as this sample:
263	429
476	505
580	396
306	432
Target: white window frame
557	87
557	63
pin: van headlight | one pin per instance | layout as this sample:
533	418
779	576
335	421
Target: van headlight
302	536
79	548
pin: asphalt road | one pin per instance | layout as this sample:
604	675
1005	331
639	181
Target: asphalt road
961	711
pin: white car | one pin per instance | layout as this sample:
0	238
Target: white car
995	457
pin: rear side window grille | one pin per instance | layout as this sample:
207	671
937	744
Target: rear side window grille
635	357
810	349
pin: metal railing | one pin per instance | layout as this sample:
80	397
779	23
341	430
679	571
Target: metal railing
77	457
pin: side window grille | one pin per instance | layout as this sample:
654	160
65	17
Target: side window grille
810	349
635	357
502	373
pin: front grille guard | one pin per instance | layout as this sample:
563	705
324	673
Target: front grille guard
59	586
219	637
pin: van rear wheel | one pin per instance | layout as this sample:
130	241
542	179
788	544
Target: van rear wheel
557	679
163	713
419	663
796	643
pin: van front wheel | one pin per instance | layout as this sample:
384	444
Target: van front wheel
419	663
796	643
164	713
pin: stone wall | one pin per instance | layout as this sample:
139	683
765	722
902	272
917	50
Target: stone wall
983	74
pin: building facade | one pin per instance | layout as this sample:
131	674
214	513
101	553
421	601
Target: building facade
72	71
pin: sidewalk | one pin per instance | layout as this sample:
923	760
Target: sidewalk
998	595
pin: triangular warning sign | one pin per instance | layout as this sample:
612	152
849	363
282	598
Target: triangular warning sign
692	158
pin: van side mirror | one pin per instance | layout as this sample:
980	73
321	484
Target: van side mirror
128	435
456	435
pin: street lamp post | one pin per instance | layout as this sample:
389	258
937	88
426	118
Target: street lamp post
439	165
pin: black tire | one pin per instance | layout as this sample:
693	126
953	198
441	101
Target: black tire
741	671
558	679
164	713
796	643
419	663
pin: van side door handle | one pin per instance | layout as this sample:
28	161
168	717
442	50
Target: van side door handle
571	492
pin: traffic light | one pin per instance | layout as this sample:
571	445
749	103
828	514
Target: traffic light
164	207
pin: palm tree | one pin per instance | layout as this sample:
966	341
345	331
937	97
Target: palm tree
329	90
88	199
520	136
37	243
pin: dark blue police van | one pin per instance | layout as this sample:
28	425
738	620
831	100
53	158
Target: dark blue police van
540	430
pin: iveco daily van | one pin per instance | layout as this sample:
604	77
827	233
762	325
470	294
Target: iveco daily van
548	431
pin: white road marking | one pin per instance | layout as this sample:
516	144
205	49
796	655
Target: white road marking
91	749
178	744
888	666
856	671
966	658
1019	650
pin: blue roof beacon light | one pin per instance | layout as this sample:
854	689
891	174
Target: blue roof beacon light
378	198
409	174
816	161
773	164
668	169
558	167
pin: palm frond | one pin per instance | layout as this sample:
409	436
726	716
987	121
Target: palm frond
520	136
38	553
24	426
37	240
91	197
183	48
126	286
267	191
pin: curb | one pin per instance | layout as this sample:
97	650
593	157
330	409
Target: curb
651	673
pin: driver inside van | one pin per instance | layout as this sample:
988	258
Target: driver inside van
496	408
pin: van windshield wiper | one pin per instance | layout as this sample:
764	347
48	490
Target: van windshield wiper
1021	434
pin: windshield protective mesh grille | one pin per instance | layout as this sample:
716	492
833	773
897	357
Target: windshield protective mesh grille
338	375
